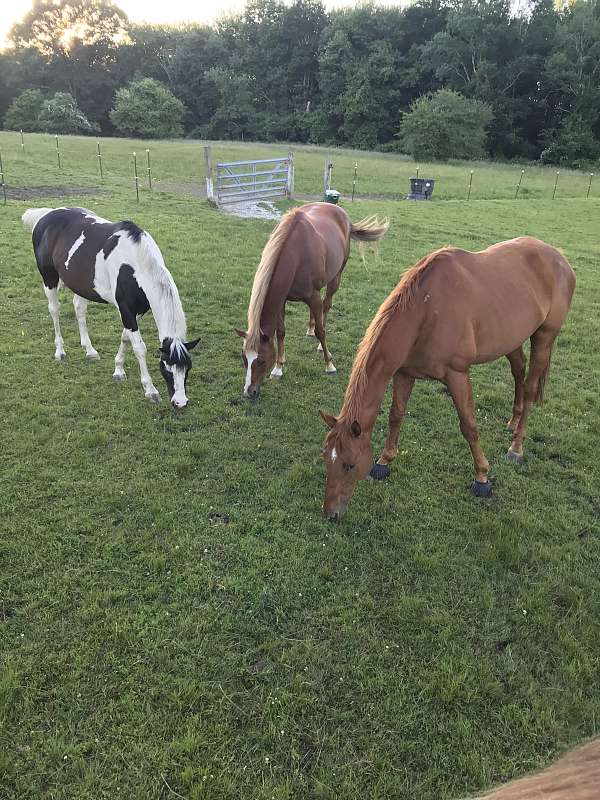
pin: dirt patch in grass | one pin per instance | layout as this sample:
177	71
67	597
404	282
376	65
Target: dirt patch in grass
33	192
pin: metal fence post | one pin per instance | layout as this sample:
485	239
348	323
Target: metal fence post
58	152
327	173
519	183
555	183
100	162
2	178
470	184
149	169
589	186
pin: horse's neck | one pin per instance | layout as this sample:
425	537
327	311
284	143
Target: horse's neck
277	293
166	307
390	351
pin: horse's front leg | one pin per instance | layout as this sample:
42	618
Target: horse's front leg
277	370
402	388
119	373
139	349
459	386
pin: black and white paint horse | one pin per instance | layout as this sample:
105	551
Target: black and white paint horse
117	263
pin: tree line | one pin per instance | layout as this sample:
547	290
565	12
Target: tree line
444	78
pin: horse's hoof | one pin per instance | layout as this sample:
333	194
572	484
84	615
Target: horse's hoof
60	356
154	397
330	370
320	347
516	457
380	472
277	372
481	489
310	332
93	356
119	376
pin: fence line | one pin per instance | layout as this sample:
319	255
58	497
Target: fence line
228	182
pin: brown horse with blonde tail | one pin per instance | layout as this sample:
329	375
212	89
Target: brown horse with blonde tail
306	251
453	309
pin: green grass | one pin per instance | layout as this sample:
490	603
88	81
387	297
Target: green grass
176	618
181	163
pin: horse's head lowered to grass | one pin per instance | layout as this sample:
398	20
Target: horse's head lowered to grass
175	363
348	458
258	356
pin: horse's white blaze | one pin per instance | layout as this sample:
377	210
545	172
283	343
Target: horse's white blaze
179	398
74	248
251	356
333	455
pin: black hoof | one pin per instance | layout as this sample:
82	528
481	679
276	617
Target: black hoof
516	457
380	472
480	489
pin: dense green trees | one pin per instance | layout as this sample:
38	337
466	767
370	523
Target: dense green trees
443	125
147	108
291	70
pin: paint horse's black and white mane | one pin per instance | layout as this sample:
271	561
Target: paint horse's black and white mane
117	263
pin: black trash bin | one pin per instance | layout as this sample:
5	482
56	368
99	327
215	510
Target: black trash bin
421	188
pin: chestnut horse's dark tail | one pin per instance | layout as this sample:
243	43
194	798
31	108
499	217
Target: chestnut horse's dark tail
369	229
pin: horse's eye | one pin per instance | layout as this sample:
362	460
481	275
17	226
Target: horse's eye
260	362
348	467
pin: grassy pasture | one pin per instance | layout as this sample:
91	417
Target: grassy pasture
176	618
181	163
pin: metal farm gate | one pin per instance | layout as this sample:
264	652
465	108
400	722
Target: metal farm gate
240	181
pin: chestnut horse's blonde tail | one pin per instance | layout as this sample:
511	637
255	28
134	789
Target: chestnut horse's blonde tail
368	232
369	229
576	776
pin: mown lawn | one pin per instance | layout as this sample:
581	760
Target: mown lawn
176	618
180	164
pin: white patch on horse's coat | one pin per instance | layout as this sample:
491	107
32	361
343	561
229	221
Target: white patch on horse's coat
251	356
74	248
333	455
96	219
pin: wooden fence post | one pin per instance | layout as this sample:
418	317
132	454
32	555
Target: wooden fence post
210	189
290	175
327	173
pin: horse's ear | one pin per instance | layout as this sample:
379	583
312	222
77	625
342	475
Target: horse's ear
328	419
192	344
241	334
355	429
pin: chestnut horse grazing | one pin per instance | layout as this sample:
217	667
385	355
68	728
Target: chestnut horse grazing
453	309
306	251
576	776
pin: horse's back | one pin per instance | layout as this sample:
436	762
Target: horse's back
486	304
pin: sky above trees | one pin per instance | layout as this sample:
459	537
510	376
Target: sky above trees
175	11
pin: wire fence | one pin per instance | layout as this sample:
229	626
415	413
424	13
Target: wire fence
178	167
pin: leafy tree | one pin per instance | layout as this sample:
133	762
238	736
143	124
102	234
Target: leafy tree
445	125
61	114
573	145
147	108
24	111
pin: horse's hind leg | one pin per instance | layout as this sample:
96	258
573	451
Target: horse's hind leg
54	309
539	364
316	306
332	288
518	366
311	325
80	305
459	385
277	370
